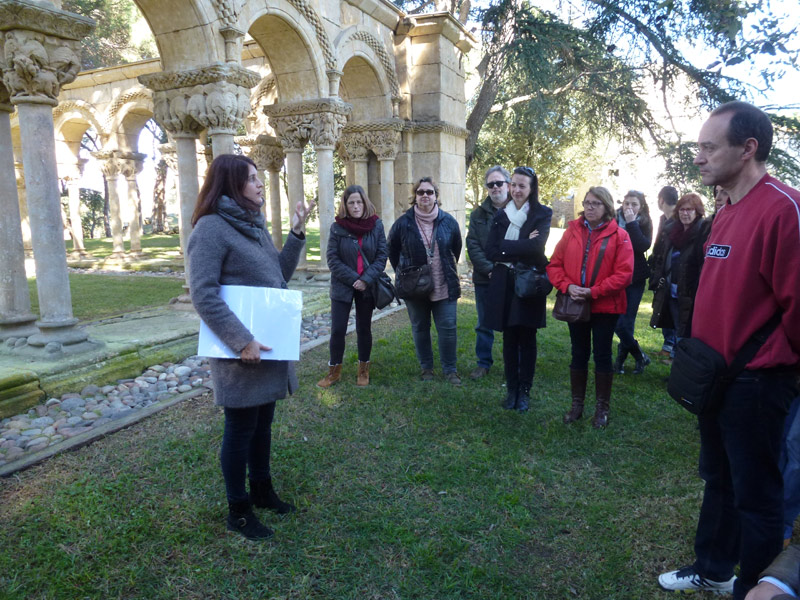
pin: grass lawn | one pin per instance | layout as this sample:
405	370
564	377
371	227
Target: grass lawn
98	296
405	490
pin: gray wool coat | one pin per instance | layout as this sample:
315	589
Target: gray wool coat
219	255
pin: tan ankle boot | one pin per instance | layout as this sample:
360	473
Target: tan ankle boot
334	375
363	374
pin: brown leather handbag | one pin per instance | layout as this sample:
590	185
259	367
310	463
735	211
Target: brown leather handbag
578	311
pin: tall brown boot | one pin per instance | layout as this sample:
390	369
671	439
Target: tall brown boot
602	386
363	374
334	375
577	381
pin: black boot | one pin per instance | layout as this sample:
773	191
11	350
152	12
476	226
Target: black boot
523	398
242	520
642	360
510	401
263	495
622	354
602	384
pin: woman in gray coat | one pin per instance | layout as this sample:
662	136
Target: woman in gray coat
356	257
231	246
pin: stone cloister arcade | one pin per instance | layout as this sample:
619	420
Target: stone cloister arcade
357	77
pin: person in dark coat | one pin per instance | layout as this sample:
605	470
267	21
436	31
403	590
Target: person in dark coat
425	234
480	221
356	234
634	217
230	245
518	236
667	199
678	264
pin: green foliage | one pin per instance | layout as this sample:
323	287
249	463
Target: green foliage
111	42
92	212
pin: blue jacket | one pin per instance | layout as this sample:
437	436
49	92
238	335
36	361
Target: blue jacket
405	241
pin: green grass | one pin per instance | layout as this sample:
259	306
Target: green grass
98	296
405	490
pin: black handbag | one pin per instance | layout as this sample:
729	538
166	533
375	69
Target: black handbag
578	311
382	289
415	282
531	282
699	375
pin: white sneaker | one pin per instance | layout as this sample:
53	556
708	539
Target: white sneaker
688	580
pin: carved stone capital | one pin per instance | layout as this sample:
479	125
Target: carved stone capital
353	146
267	153
170	156
385	144
44	19
110	163
5	98
218	73
131	164
319	121
35	65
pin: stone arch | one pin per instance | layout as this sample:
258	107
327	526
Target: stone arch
126	116
364	84
77	110
185	32
354	41
291	44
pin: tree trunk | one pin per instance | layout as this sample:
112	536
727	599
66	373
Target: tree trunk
159	198
106	222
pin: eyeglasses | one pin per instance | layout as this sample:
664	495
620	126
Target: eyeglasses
587	204
426	192
495	184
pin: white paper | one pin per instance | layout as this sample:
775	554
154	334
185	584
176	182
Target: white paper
272	315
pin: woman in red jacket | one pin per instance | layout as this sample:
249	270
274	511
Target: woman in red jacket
571	271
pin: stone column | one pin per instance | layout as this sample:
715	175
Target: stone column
111	165
74	191
41	49
16	318
268	155
132	164
355	153
320	121
385	143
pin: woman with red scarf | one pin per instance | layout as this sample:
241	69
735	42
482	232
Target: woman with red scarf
678	255
356	257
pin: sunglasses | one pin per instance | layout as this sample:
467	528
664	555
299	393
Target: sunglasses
426	192
495	184
526	171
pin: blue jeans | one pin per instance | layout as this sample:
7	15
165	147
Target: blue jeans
484	337
444	315
741	518
246	444
627	322
593	338
790	468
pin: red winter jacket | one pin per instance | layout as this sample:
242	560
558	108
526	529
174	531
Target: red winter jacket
616	270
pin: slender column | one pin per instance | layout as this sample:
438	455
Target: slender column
16	318
387	192
275	208
74	191
222	143
132	163
268	155
188	188
325	198
25	222
294	174
111	165
361	173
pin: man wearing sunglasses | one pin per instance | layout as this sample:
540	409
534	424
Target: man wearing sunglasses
480	221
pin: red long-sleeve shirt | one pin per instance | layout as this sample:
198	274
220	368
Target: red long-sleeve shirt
752	268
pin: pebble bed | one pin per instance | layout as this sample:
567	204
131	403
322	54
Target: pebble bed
78	412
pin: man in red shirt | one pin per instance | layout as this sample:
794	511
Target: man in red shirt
751	271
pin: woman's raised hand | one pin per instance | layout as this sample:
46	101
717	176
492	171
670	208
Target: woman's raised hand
300	216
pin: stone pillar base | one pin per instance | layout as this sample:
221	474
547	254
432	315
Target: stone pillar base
62	332
55	350
18	327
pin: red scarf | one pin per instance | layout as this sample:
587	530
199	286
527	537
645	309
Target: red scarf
358	227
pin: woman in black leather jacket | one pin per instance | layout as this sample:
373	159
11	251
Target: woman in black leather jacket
425	234
356	235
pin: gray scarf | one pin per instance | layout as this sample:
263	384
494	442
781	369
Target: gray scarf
249	223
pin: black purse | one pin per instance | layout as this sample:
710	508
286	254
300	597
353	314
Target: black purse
416	281
382	289
699	375
531	282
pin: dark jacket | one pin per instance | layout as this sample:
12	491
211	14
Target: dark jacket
407	249
343	257
641	240
480	222
687	277
503	307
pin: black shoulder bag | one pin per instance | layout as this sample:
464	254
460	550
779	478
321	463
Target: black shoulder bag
416	282
699	375
382	289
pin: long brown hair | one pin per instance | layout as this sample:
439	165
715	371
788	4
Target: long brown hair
226	176
369	207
